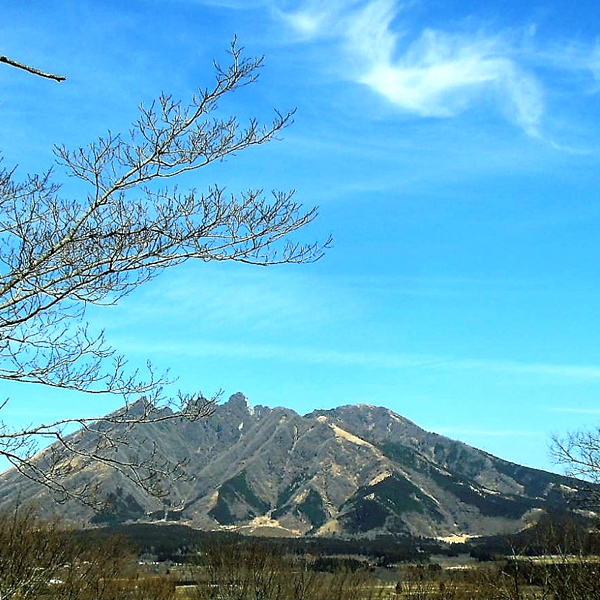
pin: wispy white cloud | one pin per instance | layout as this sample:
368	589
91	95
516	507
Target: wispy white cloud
462	431
437	74
573	410
364	359
441	75
312	19
571	56
584	372
234	4
232	298
594	64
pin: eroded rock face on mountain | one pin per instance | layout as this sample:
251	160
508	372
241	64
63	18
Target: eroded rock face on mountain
352	471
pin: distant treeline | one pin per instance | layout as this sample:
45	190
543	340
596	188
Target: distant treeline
177	542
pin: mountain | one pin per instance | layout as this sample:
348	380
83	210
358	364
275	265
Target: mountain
357	470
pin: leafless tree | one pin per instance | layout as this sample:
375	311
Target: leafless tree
254	570
44	559
58	255
30	553
579	452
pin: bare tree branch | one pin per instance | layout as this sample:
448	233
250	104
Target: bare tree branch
58	255
104	441
30	69
579	452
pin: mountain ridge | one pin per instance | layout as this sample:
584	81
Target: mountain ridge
350	471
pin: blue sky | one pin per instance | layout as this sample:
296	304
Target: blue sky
453	150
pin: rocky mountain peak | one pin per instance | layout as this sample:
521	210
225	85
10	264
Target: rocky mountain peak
237	401
356	470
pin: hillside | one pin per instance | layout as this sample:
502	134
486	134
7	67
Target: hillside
351	471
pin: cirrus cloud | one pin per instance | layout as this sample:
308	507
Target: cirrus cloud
435	74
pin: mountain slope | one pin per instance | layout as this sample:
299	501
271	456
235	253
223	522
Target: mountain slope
351	471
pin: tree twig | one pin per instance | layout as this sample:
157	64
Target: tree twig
29	69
